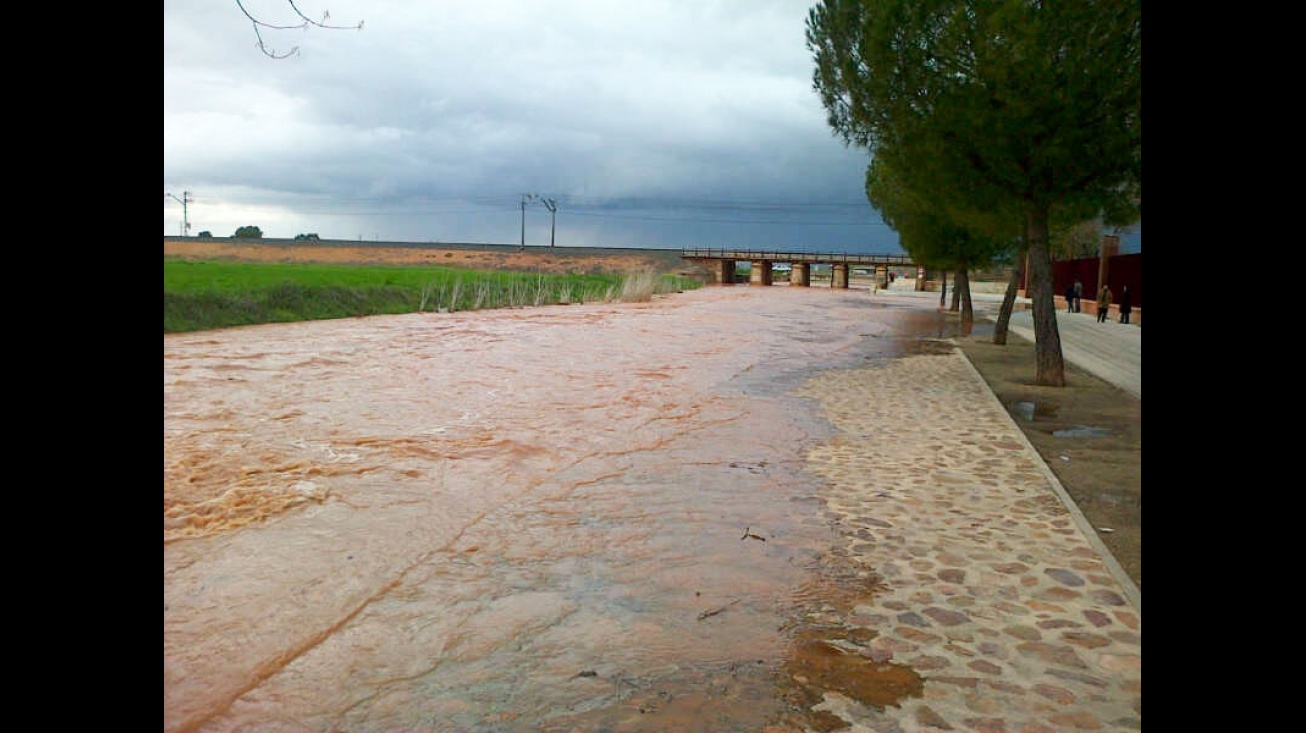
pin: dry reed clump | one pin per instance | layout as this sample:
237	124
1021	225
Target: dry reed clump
459	294
639	287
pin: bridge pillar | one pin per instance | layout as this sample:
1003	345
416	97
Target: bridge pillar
723	272
882	276
760	273
800	275
839	275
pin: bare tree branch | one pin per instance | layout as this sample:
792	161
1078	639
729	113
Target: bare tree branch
257	23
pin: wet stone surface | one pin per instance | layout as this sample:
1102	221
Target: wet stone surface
1035	633
615	518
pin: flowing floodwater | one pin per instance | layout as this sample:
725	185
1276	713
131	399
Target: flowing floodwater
581	517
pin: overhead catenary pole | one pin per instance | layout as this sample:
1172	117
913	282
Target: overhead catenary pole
552	206
525	198
185	216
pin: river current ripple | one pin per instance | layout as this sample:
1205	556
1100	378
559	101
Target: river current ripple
579	517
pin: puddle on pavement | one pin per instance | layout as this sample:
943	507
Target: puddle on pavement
913	347
1030	410
1117	499
830	652
820	666
1081	431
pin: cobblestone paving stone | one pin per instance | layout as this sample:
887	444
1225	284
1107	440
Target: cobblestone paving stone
989	589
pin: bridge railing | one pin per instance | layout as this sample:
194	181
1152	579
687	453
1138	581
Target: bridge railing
818	257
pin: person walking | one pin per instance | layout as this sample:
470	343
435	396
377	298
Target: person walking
1079	295
1125	305
1070	298
1103	304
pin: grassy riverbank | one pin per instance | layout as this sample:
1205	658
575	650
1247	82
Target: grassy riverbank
200	295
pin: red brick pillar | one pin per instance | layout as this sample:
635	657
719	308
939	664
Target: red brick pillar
1110	248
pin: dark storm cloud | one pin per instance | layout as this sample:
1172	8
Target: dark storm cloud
652	124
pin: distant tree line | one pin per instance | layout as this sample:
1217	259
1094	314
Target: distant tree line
253	232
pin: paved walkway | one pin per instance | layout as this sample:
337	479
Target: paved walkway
1111	350
1014	614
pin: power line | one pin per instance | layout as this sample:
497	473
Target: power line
694	220
571	200
635	208
621	211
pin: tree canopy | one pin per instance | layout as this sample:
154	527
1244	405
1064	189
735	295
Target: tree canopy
929	234
248	232
1010	103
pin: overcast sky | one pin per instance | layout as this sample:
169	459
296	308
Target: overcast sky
668	124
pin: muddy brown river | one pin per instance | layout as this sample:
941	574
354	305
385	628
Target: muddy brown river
586	517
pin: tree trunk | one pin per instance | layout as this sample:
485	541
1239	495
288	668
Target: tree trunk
956	289
1009	301
1050	367
943	291
962	285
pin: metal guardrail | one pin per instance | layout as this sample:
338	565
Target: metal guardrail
817	257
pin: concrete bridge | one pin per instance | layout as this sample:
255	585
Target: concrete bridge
721	263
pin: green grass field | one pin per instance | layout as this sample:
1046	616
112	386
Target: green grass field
203	295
